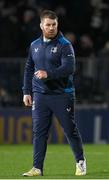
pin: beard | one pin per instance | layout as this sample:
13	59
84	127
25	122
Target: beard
50	35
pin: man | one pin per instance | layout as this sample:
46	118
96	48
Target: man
49	77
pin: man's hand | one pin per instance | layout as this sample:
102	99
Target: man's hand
40	74
27	99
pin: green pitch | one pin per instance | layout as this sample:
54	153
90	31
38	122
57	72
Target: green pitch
59	162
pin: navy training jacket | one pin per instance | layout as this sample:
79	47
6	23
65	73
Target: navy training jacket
57	59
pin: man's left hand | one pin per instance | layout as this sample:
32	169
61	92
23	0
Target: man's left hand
41	74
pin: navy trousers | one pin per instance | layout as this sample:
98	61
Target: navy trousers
42	109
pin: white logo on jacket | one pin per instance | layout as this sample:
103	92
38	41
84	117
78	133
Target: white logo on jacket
69	109
35	49
54	49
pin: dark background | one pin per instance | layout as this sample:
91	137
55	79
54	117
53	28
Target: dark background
84	22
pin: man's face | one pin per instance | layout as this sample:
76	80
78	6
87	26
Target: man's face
49	27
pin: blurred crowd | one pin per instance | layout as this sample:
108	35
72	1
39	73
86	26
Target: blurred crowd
84	22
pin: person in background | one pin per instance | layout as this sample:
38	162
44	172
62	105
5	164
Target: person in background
49	89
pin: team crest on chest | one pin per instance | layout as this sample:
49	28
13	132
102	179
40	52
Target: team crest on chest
54	49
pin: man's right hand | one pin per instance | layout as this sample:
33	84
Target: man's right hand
27	99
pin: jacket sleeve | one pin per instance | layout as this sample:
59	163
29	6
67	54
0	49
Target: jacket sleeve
67	66
28	74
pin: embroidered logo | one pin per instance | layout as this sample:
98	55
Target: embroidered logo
54	49
33	106
68	109
70	55
35	49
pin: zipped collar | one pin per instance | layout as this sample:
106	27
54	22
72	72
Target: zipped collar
59	35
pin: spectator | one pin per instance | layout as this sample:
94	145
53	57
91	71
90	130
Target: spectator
30	28
103	71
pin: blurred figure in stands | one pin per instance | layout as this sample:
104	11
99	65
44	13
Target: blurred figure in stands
30	28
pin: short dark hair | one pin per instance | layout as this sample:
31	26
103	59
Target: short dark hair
48	14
